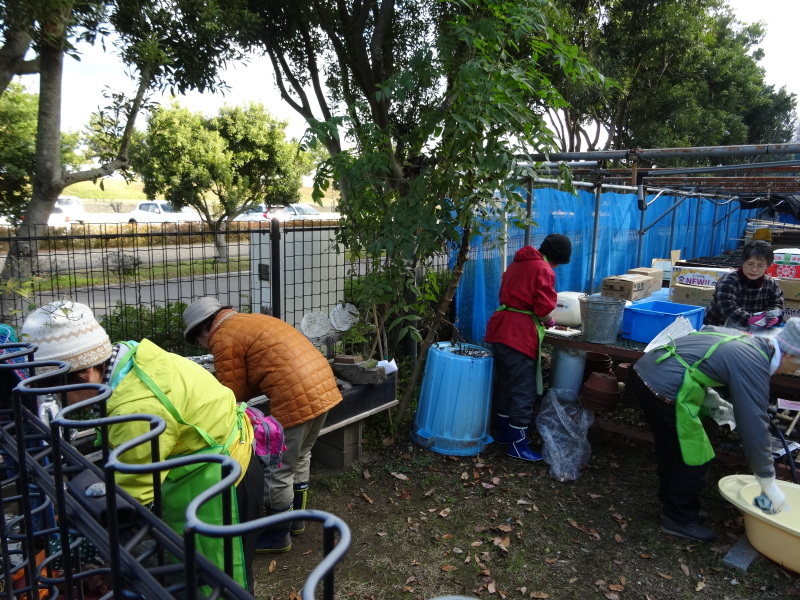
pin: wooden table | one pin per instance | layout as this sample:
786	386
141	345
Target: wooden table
622	350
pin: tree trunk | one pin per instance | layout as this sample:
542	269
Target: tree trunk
48	180
220	241
441	311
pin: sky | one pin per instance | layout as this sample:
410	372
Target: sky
84	81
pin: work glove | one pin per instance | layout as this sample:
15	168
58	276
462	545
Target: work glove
548	323
757	319
770	489
773	322
719	409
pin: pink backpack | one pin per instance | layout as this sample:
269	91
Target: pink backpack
268	436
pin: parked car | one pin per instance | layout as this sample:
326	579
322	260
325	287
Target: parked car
157	211
297	212
255	214
72	209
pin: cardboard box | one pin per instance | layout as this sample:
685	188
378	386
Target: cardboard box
657	275
787	256
791	288
696	275
626	287
791	308
784	271
694	295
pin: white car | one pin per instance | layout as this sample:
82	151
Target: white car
295	212
157	211
255	214
72	209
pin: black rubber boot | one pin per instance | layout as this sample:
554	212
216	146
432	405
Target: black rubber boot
275	539
300	500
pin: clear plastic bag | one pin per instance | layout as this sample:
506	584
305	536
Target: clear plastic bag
563	424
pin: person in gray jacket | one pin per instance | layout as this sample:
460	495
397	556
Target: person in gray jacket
671	383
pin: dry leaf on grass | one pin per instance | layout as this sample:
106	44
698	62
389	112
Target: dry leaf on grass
643	555
665	576
464	476
382	533
388	441
685	569
448	568
539	595
272	565
428	493
367	498
307	552
366	474
502	543
700	585
618	538
444	512
400	476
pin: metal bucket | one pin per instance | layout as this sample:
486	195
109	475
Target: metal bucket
601	318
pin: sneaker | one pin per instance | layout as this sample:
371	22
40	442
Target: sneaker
692	531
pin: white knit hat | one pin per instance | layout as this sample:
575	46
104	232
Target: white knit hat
788	337
67	331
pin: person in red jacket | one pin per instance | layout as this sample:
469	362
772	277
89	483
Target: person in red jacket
258	354
515	331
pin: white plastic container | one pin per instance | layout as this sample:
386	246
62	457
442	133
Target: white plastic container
568	309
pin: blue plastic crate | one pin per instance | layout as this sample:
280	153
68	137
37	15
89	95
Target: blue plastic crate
643	321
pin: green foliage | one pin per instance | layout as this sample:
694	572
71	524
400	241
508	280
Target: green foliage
686	74
239	157
162	325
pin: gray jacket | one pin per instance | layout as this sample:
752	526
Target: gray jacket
741	368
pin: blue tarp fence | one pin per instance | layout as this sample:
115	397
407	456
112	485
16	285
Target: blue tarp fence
699	227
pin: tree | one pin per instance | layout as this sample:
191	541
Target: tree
686	71
18	149
179	44
239	158
432	97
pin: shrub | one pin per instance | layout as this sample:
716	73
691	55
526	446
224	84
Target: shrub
162	325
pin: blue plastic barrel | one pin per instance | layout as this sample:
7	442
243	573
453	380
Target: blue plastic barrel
455	400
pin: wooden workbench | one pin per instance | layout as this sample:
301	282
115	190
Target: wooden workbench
622	350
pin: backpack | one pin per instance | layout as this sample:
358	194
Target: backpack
269	441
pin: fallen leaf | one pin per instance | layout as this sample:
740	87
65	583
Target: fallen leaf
700	586
616	588
496	480
444	512
366	474
618	538
367	498
428	493
594	496
524	501
522	590
539	595
388	441
487	486
447	536
272	565
448	568
382	533
665	576
611	596
293	595
502	543
505	528
309	551
685	569
643	555
478	543
410	579
400	476
464	476
550	561
491	588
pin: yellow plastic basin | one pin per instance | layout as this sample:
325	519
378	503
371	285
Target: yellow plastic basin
776	536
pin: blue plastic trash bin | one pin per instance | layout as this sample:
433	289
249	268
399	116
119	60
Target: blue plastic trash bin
455	400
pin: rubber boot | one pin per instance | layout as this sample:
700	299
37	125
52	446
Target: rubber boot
518	447
300	500
502	435
275	539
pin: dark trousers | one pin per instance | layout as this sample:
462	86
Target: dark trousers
679	484
514	384
250	500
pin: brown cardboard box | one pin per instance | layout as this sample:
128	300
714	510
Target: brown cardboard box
626	287
791	308
657	275
693	275
694	295
790	287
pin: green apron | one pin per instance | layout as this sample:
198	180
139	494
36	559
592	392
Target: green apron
540	332
695	447
183	484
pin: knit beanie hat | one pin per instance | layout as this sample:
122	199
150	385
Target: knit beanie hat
788	337
67	331
197	312
557	248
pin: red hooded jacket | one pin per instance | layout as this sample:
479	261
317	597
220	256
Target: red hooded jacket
528	284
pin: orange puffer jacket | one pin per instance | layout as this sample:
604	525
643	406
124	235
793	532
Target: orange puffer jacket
257	354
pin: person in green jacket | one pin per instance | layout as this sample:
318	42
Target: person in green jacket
199	412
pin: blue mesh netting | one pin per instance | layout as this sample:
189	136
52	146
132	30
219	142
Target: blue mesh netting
701	228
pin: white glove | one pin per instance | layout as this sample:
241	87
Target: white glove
776	496
719	409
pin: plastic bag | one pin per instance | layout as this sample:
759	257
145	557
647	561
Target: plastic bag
563	423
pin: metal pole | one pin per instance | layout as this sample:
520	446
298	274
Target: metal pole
675	205
713	231
529	208
661	153
642	208
275	266
696	227
595	234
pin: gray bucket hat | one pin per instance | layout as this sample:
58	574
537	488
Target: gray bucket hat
197	312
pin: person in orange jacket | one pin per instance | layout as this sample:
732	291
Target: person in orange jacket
515	331
258	354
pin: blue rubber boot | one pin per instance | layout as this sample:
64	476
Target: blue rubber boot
275	539
518	447
502	435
